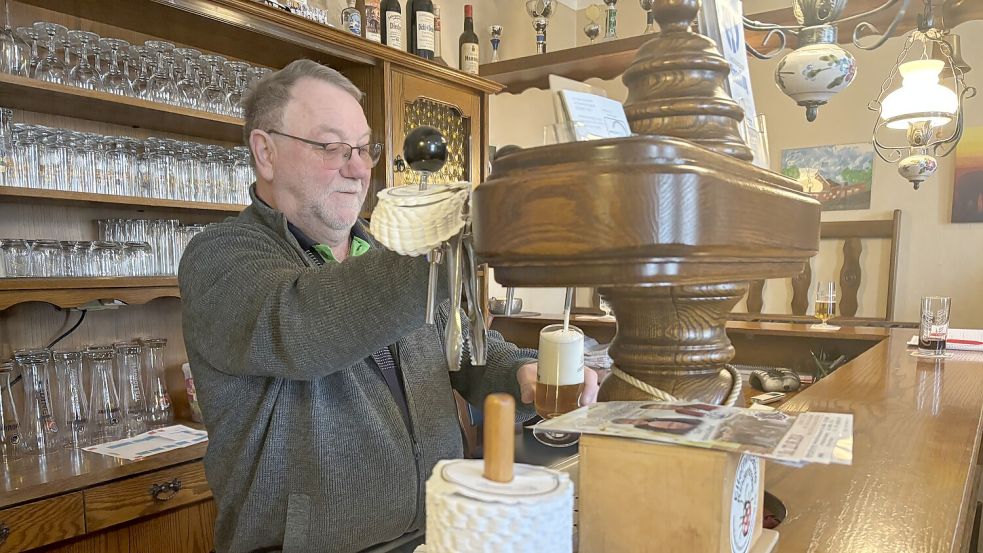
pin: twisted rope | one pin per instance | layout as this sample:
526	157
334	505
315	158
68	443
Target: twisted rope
735	389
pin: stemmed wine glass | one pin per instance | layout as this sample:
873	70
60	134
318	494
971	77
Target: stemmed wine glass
238	87
12	58
114	80
31	36
141	84
189	87
83	74
214	96
162	87
51	68
825	304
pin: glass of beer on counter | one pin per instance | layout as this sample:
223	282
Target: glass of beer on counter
934	326
825	303
559	379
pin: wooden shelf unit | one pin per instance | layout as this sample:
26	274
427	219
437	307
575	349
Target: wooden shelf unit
16	194
58	99
76	292
604	60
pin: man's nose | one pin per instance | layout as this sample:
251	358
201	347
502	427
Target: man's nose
356	167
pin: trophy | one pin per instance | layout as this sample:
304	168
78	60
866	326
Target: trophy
540	11
496	39
611	20
592	29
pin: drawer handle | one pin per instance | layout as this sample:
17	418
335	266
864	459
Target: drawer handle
4	532
165	491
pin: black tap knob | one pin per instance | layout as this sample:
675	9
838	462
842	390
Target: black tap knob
425	149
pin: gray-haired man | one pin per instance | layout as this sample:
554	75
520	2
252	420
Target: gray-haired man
326	398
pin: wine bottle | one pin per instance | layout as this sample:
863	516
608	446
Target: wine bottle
420	28
351	20
372	26
468	43
437	53
392	17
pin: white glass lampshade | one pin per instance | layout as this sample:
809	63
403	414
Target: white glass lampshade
920	93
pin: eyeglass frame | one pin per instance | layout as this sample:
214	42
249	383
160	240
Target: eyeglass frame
323	146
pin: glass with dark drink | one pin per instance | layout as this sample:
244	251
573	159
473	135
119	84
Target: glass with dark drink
934	326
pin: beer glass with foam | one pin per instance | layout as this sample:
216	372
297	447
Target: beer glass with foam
560	378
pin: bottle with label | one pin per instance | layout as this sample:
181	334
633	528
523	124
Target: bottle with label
392	18
437	52
468	43
611	20
351	19
420	28
371	18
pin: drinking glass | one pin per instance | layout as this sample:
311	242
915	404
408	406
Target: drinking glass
129	367
238	86
25	157
934	326
136	258
11	442
30	36
83	74
159	409
51	68
75	404
6	145
118	161
16	257
107	422
825	304
162	87
559	378
214	96
39	424
54	160
189	86
141	84
114	79
12	58
46	259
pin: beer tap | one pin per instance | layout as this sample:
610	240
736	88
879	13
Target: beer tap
425	150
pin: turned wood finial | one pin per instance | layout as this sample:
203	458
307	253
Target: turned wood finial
676	85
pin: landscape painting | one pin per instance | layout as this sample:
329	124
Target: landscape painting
840	176
967	194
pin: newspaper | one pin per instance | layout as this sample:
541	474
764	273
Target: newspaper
792	439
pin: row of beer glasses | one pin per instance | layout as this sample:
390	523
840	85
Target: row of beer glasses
74	258
156	70
61	159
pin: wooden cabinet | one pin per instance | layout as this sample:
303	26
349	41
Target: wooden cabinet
41	522
455	111
145	495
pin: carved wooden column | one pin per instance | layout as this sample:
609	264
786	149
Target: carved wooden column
668	229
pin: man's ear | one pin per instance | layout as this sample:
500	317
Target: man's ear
264	154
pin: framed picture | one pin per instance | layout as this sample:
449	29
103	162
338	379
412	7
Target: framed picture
840	177
967	192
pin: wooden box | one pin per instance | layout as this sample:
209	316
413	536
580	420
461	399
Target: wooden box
643	497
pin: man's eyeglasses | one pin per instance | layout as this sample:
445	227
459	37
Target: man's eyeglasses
337	154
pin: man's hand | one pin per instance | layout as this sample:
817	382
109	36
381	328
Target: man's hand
526	376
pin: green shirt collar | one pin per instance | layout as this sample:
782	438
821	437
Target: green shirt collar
358	247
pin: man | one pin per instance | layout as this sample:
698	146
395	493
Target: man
326	397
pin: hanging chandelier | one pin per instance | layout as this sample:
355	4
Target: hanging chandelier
930	113
819	68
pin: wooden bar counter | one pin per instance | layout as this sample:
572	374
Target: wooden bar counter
917	429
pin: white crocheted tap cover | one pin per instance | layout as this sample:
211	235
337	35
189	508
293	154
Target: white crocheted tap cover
467	514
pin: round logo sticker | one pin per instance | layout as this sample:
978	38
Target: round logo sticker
744	504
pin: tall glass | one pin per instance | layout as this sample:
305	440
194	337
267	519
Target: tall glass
934	327
159	409
559	378
105	413
41	431
16	257
74	404
129	365
12	55
11	442
31	37
825	303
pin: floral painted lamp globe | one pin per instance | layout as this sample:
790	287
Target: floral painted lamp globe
812	74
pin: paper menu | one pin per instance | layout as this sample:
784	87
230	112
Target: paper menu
959	339
151	443
594	116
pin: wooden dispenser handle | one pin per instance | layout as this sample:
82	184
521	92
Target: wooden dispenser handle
499	437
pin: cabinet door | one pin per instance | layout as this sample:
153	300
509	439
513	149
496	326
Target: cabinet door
456	112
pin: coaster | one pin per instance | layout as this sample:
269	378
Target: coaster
821	327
